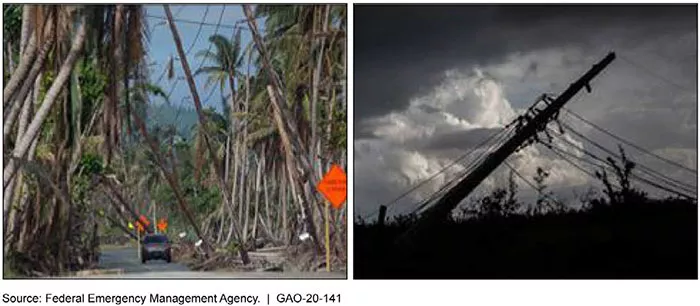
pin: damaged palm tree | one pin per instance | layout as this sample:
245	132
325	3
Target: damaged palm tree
203	122
43	237
242	182
298	166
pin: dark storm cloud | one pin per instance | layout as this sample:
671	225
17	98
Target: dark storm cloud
432	82
400	51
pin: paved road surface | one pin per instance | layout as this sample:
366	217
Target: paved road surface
126	260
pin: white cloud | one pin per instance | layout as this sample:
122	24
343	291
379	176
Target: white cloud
648	96
462	102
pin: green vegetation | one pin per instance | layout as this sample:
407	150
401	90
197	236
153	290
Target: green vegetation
90	145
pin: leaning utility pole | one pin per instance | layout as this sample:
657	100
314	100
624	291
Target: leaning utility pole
528	130
155	221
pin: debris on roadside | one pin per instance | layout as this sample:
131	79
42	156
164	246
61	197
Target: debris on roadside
300	258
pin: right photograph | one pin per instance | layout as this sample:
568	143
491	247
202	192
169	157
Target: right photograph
525	142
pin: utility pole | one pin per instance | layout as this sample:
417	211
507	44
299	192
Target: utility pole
155	222
454	196
138	247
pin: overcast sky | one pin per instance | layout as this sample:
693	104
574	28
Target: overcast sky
432	82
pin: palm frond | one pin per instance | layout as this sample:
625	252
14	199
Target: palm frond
207	69
223	50
206	55
154	90
261	134
236	50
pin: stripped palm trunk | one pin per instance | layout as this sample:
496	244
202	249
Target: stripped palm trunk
261	163
234	185
294	179
23	97
285	199
19	96
268	214
241	182
20	73
172	181
8	55
297	161
23	145
246	213
314	148
222	219
227	158
202	120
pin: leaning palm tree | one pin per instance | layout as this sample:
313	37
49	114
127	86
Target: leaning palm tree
207	141
216	127
225	61
67	53
55	41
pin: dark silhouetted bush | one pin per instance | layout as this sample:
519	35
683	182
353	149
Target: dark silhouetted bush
621	234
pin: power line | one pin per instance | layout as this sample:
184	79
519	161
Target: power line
469	168
656	75
559	152
201	23
629	143
648	182
211	92
165	70
172	88
395	200
177	80
634	176
199	31
177	13
415	187
531	184
643	168
216	32
605	164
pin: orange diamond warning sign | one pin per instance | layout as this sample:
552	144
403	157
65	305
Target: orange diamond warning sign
334	186
139	227
162	225
142	223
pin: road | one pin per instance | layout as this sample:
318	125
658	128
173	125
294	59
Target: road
126	261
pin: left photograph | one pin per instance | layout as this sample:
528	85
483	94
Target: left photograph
174	141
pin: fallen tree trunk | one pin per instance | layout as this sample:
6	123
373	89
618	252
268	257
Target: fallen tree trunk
202	122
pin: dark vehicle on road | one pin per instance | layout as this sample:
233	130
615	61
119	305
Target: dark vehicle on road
155	247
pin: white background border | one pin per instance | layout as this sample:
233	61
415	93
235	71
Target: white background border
398	292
